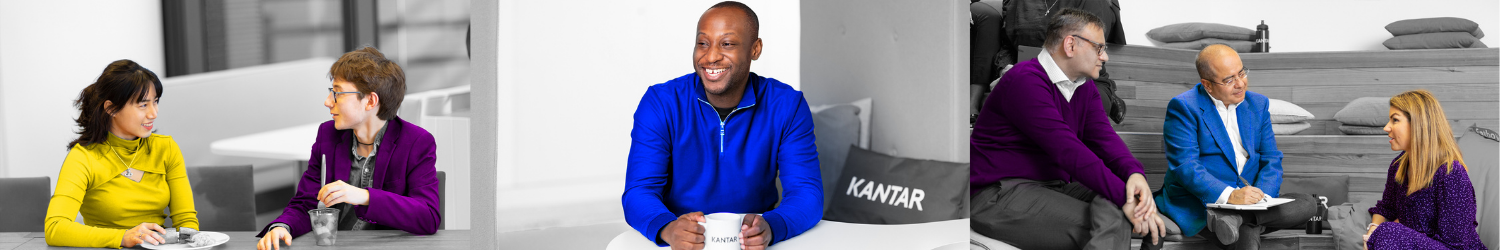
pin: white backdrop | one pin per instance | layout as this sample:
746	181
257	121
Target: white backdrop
49	51
570	76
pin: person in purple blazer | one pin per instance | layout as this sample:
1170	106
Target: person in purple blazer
1428	201
1048	172
381	173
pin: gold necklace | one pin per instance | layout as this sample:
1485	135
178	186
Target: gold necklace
122	161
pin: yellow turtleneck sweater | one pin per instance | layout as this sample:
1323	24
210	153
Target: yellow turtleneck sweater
91	183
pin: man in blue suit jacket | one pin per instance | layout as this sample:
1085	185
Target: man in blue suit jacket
1221	149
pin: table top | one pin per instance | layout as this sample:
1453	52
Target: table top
841	235
292	143
362	240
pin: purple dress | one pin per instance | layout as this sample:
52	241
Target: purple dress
1440	216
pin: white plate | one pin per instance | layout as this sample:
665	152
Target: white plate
217	237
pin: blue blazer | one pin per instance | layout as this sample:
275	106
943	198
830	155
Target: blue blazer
1201	157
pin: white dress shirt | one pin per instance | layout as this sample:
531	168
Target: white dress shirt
1232	125
1056	75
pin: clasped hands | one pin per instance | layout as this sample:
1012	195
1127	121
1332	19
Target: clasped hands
686	234
1140	209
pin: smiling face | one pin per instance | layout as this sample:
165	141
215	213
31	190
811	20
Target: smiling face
135	119
1398	129
1224	67
723	49
349	110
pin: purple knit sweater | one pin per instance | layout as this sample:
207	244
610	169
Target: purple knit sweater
1440	216
1028	130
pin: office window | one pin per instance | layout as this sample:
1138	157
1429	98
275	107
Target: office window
425	37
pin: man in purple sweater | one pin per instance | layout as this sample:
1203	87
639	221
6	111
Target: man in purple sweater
1048	172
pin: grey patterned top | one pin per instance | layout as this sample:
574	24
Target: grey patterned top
361	171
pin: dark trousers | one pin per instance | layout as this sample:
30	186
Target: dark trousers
1258	222
1048	215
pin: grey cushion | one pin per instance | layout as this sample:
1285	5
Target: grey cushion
1434	25
1362	130
1480	158
1287	112
1442	40
1184	32
1238	46
836	128
1365	111
875	188
25	205
1289	128
1349	223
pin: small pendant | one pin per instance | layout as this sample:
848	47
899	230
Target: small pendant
127	172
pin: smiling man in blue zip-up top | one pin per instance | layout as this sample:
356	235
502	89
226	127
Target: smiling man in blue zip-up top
716	140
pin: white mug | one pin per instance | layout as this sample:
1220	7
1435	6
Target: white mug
722	231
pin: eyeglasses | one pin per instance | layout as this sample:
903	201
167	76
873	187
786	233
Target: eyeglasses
1233	79
334	94
1098	47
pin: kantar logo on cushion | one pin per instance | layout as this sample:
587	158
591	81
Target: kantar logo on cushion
904	197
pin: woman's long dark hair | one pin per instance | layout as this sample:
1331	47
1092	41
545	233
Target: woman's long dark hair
122	82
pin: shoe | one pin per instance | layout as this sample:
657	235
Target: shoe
1224	225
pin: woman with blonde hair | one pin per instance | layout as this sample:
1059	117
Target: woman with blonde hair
1428	201
119	174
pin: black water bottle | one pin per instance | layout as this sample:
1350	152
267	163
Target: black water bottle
1262	38
1315	224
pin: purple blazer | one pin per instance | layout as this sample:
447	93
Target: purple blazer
1028	130
404	192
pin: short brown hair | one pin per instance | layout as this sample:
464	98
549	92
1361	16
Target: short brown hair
371	72
1067	22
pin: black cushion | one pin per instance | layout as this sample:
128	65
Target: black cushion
1336	188
875	188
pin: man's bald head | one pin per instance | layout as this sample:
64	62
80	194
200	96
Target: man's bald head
1222	74
749	14
1209	55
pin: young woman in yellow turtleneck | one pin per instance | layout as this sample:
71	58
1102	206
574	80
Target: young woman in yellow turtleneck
118	174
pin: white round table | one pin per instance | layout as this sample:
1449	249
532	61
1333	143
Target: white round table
840	235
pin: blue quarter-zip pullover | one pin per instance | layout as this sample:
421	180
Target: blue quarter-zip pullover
684	158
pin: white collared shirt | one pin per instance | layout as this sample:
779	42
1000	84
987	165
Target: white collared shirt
1232	127
1056	76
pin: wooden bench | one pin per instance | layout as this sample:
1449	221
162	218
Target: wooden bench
1282	239
1321	82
